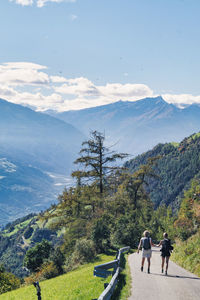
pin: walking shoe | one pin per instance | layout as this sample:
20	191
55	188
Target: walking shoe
148	271
142	269
162	270
165	272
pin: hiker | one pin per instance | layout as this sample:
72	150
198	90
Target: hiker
146	243
166	249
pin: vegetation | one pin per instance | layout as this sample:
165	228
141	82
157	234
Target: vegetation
110	210
35	256
8	281
18	237
187	225
123	288
187	253
96	160
77	284
177	166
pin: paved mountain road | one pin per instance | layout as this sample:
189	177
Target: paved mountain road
179	284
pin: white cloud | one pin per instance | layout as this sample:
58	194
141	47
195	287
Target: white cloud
78	87
126	91
30	84
22	73
23	2
58	79
22	65
39	3
181	99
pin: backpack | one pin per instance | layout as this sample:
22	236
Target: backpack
166	246
146	245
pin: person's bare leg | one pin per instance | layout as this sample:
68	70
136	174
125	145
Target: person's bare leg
142	265
167	264
149	263
162	264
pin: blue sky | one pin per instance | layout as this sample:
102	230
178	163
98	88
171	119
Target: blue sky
70	54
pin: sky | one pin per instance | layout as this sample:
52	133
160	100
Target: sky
73	54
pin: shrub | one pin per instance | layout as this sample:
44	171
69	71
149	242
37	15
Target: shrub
35	256
8	282
47	271
84	251
101	235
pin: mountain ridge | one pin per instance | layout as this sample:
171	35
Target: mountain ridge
35	144
138	125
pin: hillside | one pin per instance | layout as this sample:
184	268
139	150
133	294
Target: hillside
22	187
18	236
179	163
135	127
78	284
36	153
37	139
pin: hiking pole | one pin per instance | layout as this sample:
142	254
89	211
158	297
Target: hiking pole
38	289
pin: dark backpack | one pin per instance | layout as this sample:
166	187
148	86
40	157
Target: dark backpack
146	245
166	246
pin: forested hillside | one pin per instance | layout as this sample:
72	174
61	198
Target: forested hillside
20	235
177	165
108	208
187	227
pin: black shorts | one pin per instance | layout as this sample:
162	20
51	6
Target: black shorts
165	254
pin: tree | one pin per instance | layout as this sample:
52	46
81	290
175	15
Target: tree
97	160
35	256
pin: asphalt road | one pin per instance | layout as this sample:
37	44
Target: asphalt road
179	284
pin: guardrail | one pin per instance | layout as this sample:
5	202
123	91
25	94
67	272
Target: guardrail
102	271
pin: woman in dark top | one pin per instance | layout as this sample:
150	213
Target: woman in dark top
166	249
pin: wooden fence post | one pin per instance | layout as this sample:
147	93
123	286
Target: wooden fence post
38	289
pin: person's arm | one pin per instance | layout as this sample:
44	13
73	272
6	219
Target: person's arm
160	244
139	245
155	245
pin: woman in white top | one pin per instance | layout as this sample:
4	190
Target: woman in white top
146	243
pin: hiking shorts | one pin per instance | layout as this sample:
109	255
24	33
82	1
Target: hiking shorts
146	253
165	254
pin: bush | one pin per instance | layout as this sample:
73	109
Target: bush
48	270
35	256
8	282
84	251
101	234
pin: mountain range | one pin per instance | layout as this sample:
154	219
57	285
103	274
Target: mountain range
37	149
135	127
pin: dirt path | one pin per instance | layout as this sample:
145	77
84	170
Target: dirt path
178	285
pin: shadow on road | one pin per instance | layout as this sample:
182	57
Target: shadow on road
176	276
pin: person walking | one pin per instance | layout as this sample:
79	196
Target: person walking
166	249
146	243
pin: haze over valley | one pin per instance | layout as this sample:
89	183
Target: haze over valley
38	150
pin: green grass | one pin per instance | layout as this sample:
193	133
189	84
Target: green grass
175	144
79	284
123	289
196	135
187	254
17	228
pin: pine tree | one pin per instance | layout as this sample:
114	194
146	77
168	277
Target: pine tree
97	161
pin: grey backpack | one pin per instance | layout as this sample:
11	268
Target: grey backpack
146	245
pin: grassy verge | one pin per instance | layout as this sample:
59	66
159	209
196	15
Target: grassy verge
79	284
122	291
187	254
